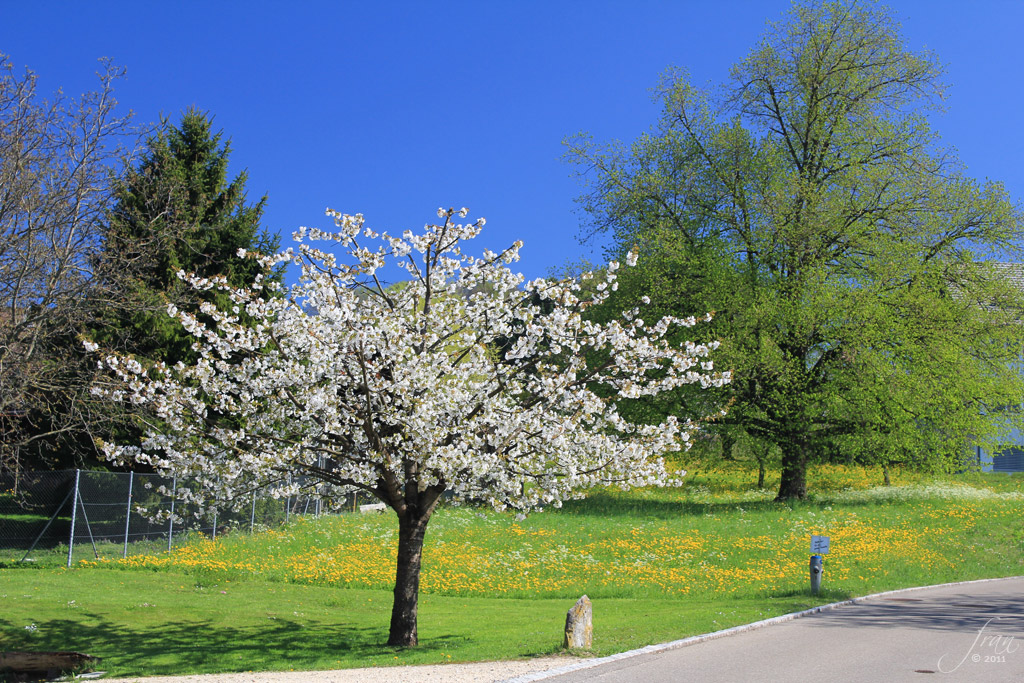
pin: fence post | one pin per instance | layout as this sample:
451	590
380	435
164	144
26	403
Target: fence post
128	513
318	508
252	515
88	528
46	527
74	515
170	527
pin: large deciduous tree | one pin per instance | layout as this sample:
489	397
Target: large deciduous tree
406	392
58	160
848	257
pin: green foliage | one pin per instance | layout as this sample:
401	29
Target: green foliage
847	258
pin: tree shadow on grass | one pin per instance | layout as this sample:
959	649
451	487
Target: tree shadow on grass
200	646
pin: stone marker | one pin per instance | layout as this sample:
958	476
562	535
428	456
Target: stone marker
579	625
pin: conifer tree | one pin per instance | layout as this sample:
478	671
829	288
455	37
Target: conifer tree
177	211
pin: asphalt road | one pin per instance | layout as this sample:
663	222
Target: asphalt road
965	632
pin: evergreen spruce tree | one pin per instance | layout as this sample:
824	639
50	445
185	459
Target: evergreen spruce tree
177	211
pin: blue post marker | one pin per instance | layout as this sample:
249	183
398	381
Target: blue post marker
817	566
819	547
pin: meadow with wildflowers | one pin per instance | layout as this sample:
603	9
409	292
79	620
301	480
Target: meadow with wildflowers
658	563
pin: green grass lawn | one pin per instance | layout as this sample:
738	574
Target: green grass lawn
658	564
146	623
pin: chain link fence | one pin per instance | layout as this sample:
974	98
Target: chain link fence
81	514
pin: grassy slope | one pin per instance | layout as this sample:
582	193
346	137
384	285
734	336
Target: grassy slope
659	565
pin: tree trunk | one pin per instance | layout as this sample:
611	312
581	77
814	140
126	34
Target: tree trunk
727	443
793	485
761	452
411	532
885	474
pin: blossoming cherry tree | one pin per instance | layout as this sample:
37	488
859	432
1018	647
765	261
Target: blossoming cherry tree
464	380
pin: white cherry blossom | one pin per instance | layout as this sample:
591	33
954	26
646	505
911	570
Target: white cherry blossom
464	381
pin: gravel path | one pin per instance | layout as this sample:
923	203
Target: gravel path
477	672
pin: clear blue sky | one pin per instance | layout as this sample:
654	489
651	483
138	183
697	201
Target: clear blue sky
393	109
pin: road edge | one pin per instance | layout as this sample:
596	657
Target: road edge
693	640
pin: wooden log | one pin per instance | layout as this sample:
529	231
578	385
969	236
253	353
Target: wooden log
22	662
